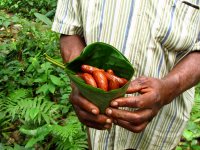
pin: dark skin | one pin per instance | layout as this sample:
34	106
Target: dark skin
154	93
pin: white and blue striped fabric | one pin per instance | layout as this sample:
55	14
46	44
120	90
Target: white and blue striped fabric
154	35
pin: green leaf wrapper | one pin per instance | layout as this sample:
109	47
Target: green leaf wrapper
103	56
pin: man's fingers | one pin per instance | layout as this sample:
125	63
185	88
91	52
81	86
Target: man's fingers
77	99
135	117
146	100
88	118
136	85
88	113
129	126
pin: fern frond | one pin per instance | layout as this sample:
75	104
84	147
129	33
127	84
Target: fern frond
66	132
71	136
19	93
78	144
35	110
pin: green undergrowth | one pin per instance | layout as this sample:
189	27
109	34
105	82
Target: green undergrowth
35	112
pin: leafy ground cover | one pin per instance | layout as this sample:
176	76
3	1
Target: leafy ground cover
191	136
34	109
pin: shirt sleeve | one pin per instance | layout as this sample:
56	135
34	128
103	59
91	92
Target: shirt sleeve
195	47
68	18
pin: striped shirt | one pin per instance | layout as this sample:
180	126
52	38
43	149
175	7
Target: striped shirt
154	35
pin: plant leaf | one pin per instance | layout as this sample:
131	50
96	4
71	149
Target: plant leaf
43	89
55	80
188	135
34	112
51	87
43	18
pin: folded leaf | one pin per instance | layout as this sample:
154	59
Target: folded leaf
103	56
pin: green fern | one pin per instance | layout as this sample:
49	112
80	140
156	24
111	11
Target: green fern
67	137
77	144
67	132
35	110
71	136
19	94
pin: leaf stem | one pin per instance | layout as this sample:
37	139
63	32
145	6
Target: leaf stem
54	61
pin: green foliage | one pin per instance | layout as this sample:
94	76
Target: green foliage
43	18
191	134
70	136
27	8
35	112
37	135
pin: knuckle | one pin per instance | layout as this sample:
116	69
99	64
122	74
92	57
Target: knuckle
100	119
128	101
137	119
139	103
155	94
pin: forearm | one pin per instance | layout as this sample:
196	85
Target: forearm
71	46
184	75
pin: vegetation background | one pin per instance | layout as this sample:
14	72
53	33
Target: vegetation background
35	113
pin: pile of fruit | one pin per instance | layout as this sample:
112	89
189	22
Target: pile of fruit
99	78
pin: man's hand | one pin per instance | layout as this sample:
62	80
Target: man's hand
88	113
153	95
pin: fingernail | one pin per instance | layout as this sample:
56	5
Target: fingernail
114	104
108	121
109	111
94	111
